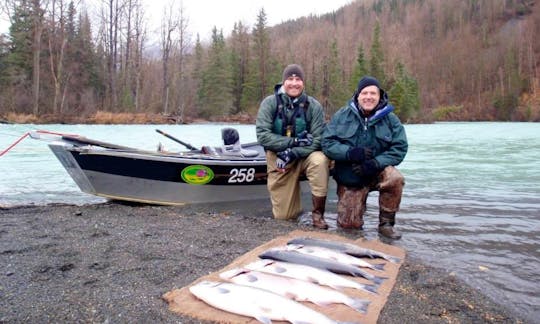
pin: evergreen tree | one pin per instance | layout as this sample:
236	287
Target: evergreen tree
4	51
86	83
216	87
376	62
261	39
198	63
360	69
19	58
240	62
404	94
511	86
334	92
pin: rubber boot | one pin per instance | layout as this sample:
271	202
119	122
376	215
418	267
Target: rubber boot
351	207
319	205
386	225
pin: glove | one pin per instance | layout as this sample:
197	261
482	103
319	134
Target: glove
360	154
284	158
368	168
303	139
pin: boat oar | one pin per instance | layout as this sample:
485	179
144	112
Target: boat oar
189	146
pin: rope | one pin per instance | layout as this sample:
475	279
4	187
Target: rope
15	143
27	134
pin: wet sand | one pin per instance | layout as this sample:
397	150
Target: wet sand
113	262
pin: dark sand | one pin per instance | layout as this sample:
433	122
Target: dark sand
111	263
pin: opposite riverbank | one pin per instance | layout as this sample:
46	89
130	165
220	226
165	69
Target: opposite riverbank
113	262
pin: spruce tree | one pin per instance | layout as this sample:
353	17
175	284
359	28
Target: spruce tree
404	94
216	87
360	69
261	50
335	92
376	62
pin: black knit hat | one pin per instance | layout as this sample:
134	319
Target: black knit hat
366	82
293	69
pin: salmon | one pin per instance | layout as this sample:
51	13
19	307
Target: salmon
292	288
333	255
307	273
315	261
344	247
263	305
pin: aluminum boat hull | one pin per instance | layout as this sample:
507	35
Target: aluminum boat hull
162	178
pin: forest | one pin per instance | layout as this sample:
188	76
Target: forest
459	60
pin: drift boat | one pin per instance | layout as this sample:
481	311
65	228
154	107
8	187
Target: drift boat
231	172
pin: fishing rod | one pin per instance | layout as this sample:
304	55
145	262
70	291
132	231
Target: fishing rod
189	146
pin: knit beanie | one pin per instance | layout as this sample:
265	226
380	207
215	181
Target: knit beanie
293	70
366	82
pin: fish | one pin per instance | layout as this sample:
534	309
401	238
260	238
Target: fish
263	305
348	248
321	263
333	255
292	288
307	273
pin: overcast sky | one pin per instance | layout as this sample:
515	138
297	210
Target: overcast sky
203	15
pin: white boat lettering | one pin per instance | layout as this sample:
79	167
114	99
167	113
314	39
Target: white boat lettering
242	175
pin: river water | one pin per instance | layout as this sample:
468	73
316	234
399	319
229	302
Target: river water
471	204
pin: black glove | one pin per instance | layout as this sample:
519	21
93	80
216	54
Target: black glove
360	154
368	168
284	158
303	139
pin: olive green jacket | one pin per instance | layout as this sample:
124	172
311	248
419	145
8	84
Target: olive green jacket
271	140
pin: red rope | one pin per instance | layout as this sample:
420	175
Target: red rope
12	145
28	133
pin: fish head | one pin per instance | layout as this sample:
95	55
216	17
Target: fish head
294	247
206	286
229	274
259	264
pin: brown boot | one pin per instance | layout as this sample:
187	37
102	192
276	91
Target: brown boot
319	205
351	207
386	225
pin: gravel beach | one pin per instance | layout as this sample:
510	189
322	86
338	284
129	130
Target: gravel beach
112	262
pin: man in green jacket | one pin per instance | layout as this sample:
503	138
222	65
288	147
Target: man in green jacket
289	126
367	140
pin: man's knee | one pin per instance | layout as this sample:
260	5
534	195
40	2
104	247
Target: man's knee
391	178
318	159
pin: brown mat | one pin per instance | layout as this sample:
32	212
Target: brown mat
181	301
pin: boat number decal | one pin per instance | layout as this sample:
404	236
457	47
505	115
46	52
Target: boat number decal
197	174
242	175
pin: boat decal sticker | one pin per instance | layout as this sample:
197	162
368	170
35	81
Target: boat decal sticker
197	174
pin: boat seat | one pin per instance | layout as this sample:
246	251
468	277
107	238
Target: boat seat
231	144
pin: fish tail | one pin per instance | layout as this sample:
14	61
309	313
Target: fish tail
358	304
369	288
378	280
393	259
378	266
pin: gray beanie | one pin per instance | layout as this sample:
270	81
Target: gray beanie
293	69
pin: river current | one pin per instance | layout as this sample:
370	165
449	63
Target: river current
471	203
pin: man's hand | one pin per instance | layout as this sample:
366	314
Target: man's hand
284	158
368	168
360	154
303	139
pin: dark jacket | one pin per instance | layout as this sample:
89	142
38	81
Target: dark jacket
349	127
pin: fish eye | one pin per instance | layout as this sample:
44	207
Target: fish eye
280	269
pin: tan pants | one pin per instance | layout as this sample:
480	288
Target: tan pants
352	201
284	187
